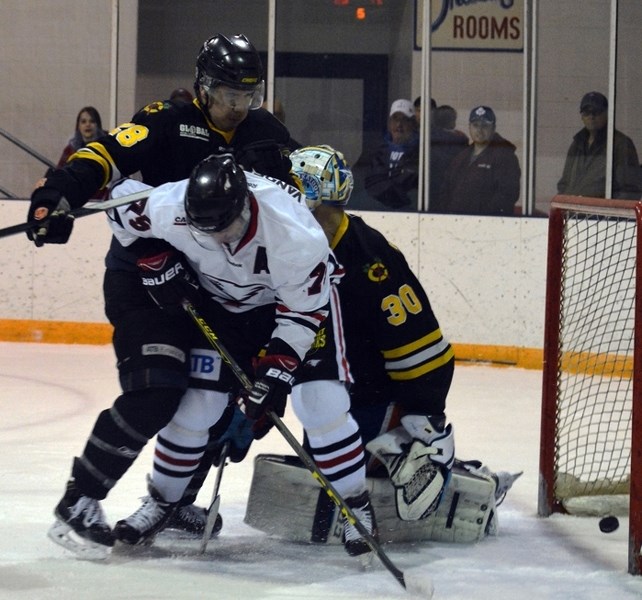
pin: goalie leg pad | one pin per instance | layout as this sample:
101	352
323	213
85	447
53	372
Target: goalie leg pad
286	501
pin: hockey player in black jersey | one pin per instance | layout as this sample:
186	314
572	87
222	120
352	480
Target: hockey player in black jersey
164	141
401	362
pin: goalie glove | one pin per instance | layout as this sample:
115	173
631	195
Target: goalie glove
168	279
418	457
274	380
266	158
51	207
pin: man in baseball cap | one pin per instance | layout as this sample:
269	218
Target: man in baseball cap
585	167
594	103
482	113
405	107
392	169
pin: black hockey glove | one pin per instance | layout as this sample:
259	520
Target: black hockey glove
266	158
168	279
51	207
274	379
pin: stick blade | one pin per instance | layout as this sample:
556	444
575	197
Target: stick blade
209	525
418	583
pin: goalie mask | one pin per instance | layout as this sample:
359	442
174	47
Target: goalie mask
215	198
325	175
234	63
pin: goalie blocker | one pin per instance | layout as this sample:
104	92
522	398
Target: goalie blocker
286	502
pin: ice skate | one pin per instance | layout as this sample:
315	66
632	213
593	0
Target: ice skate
80	526
142	526
353	542
189	521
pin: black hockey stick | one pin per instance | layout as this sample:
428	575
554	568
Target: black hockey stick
89	209
212	511
416	583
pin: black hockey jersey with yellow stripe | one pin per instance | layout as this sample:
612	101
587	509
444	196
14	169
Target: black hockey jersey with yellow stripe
164	141
394	343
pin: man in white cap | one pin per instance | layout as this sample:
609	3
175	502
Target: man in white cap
392	170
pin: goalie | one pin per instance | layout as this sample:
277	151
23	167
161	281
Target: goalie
403	367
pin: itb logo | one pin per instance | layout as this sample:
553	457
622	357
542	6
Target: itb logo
205	364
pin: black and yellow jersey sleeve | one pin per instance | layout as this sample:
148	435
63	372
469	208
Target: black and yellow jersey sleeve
163	142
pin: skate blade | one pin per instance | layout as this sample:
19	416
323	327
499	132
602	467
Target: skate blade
63	535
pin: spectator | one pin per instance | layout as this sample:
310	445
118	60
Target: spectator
444	146
392	170
446	118
585	167
417	106
181	95
484	178
88	129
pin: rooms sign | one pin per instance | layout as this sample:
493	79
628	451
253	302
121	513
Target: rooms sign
494	25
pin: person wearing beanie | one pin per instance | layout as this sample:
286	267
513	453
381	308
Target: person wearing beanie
585	167
484	178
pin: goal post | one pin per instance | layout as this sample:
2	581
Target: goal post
591	421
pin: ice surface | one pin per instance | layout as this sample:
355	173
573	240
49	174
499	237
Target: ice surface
50	396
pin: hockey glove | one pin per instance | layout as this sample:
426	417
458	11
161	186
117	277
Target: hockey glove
168	279
51	207
265	157
274	379
240	435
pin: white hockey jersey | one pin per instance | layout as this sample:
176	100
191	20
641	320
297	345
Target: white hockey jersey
282	258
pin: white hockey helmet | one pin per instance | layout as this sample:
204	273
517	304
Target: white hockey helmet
325	175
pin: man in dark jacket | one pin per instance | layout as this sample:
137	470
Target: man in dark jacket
483	179
585	167
393	169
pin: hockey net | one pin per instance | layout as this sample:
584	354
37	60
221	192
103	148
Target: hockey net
591	428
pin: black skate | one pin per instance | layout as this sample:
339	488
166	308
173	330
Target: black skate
353	542
189	521
142	526
80	526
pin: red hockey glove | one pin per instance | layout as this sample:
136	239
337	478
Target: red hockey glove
168	279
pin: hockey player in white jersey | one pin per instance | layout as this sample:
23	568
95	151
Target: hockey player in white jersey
263	267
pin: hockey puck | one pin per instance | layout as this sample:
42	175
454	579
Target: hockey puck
609	524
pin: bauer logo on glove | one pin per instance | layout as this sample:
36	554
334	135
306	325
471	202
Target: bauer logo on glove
168	279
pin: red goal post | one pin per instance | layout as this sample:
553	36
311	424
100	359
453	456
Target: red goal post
591	422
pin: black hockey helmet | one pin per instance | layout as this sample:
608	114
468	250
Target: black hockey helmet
216	193
231	61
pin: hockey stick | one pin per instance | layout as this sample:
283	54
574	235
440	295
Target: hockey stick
415	583
89	209
212	511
